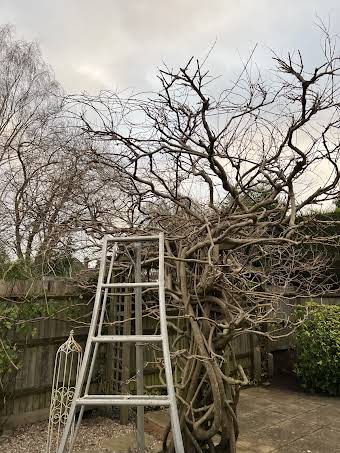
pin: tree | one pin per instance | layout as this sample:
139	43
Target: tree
229	178
29	96
49	194
30	106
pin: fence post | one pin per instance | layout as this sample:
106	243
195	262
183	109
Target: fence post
256	358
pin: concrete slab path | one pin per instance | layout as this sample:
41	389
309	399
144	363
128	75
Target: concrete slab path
286	421
275	420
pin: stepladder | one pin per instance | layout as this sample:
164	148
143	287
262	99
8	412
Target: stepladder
133	247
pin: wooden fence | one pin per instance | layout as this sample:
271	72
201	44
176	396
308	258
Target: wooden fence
30	391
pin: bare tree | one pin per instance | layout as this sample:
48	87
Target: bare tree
30	103
233	180
49	194
29	96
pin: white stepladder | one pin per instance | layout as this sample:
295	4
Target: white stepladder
95	337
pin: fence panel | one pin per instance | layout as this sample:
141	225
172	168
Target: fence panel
30	390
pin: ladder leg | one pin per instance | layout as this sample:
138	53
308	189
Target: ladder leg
82	407
95	352
139	348
87	353
175	424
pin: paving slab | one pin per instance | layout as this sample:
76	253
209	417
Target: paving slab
324	440
280	434
256	420
246	446
159	418
325	416
293	409
126	443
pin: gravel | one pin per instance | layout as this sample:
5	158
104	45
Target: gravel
95	435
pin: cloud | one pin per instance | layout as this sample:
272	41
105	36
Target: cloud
114	44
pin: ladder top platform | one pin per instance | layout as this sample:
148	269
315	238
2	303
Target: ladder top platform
132	238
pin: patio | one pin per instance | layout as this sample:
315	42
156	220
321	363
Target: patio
283	420
288	421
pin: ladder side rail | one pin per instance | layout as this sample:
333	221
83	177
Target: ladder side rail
96	347
139	347
175	424
87	351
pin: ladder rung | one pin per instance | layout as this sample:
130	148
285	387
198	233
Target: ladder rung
133	238
123	400
127	338
130	285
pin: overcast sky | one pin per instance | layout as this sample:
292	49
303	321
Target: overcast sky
101	44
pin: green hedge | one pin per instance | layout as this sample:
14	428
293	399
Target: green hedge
318	349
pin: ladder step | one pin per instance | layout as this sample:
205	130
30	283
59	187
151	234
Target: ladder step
131	285
132	238
127	338
123	400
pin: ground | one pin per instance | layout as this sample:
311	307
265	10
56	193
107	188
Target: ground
272	420
279	420
96	435
286	421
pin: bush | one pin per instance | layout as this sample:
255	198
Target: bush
318	350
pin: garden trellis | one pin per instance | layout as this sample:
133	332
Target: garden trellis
66	370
